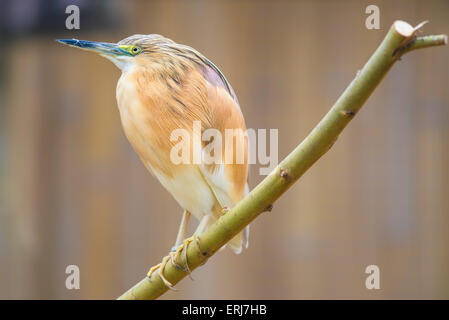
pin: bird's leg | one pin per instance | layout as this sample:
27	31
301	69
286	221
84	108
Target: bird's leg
182	229
179	238
201	227
183	247
177	248
179	245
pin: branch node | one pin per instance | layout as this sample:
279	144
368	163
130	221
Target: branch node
348	113
268	208
284	174
399	51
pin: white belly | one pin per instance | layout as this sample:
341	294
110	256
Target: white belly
189	189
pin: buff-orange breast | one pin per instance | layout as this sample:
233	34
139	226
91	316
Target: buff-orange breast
170	93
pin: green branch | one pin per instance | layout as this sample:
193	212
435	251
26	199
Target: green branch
400	39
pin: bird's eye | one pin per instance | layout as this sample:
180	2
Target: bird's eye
135	50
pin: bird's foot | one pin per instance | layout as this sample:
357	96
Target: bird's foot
173	256
224	210
161	267
174	253
181	250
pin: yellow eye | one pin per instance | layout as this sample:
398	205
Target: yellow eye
135	50
131	50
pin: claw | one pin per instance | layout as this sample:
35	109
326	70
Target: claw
161	267
153	268
181	250
196	238
224	210
197	242
185	246
174	259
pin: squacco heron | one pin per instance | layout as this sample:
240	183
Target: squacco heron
166	86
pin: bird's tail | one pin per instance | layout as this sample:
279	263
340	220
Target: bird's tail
236	244
241	239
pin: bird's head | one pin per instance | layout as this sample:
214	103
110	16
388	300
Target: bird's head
157	54
134	50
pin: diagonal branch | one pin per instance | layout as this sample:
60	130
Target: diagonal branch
399	40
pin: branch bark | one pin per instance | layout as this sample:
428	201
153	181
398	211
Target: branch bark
400	39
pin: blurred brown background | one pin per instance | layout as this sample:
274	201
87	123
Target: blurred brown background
72	191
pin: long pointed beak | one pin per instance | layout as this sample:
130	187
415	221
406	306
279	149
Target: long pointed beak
93	46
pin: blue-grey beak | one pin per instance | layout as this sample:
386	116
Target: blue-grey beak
98	47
